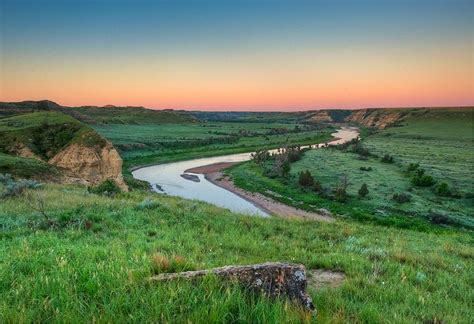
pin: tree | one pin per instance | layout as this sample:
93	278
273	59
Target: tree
305	179
282	165
260	157
340	193
285	171
363	191
317	187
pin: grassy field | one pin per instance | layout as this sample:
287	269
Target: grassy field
133	115
26	167
442	147
91	260
144	144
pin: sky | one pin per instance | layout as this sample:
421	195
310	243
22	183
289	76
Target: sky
238	55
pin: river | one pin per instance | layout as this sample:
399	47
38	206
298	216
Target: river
166	178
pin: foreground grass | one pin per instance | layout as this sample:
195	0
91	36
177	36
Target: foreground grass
92	264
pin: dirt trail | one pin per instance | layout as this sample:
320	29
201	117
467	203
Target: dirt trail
212	173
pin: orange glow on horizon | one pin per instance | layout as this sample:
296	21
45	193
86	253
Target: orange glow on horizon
308	79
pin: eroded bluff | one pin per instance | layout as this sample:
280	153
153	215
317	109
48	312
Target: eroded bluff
90	165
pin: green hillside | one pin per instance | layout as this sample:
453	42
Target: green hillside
93	115
134	115
24	107
26	167
90	262
69	255
440	142
44	133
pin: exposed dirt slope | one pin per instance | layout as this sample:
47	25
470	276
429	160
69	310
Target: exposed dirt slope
90	165
381	117
378	118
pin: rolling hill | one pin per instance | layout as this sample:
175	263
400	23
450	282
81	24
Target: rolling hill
59	146
97	115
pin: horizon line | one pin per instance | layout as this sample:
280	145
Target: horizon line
249	111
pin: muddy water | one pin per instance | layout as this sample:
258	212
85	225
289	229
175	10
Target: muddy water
166	178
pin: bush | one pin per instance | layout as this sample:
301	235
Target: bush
387	158
108	188
443	190
260	156
14	188
317	187
148	204
412	167
402	198
305	179
361	150
340	192
365	168
439	219
421	179
363	191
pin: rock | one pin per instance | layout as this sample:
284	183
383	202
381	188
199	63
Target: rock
273	279
190	177
321	116
379	118
90	165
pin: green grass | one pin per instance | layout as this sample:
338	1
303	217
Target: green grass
26	167
134	115
145	144
443	147
93	264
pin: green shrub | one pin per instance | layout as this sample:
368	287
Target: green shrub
402	198
361	150
49	139
412	167
439	219
305	179
317	187
365	168
340	192
387	158
421	179
14	188
443	190
148	204
363	191
108	188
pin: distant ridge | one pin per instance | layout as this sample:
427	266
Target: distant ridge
24	107
108	114
135	115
